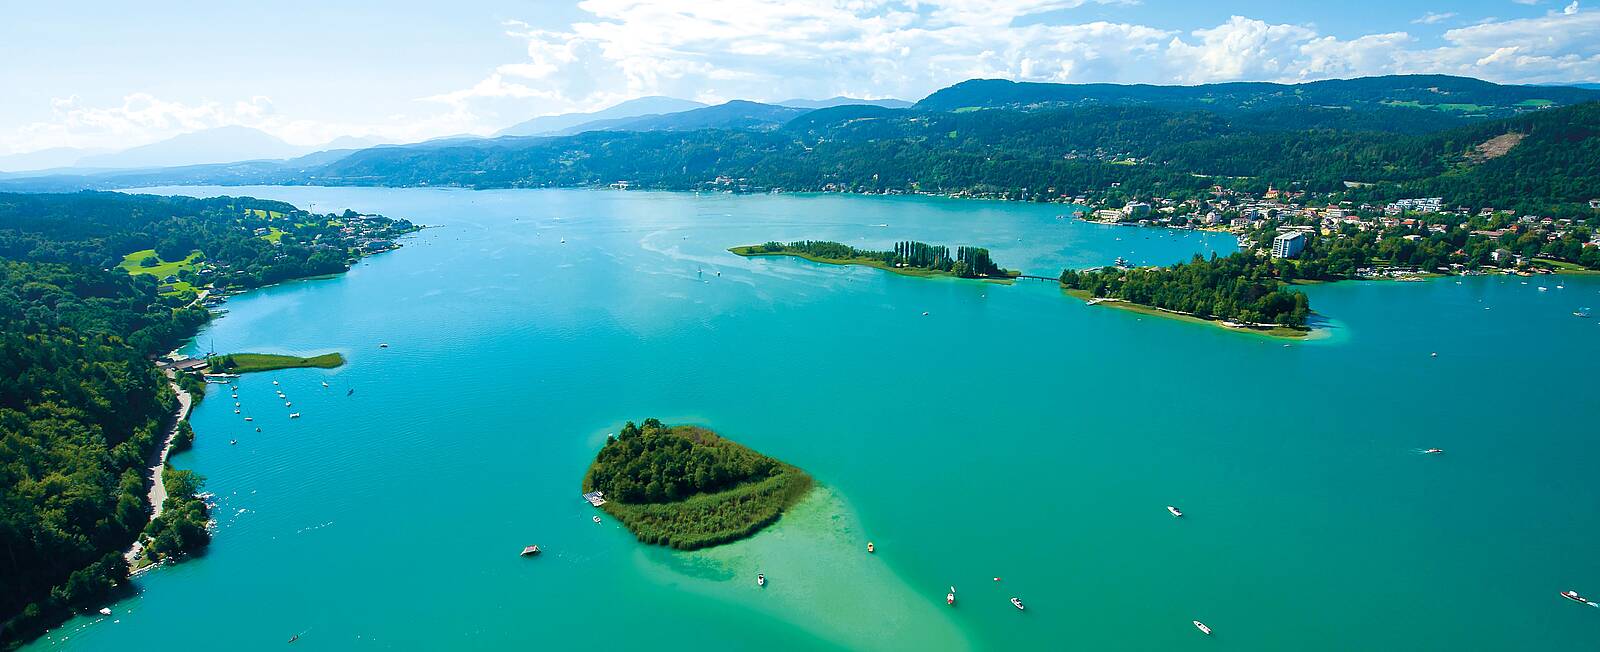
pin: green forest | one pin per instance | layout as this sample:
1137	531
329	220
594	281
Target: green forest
1240	287
686	487
82	407
1051	152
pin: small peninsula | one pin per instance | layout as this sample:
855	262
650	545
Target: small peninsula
688	488
244	363
1238	291
908	257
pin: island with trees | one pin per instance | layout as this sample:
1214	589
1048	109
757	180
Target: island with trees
909	257
1240	290
687	488
244	363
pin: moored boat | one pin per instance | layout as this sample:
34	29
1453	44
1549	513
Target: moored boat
1175	511
950	598
1017	602
869	547
530	551
761	580
294	415
1202	627
597	519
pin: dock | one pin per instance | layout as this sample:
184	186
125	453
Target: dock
595	498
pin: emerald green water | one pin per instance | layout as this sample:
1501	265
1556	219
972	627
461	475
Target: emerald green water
1012	432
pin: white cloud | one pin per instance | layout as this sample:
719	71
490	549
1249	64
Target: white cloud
714	50
1432	17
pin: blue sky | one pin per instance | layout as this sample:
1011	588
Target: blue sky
113	75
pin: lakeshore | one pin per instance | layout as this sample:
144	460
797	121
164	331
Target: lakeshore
317	492
157	496
1269	330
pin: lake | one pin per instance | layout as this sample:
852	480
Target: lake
1011	442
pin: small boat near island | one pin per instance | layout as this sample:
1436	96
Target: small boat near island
761	580
1175	511
1202	627
531	551
597	520
1017	602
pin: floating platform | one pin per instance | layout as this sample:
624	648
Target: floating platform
596	498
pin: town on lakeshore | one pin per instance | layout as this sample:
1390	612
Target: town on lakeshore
1170	314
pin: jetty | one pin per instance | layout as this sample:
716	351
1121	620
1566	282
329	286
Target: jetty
595	498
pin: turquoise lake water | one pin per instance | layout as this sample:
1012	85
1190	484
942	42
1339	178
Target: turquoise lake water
1012	432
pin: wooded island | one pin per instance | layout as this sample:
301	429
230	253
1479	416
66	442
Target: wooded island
686	487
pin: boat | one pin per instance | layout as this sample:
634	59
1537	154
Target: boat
249	419
105	611
352	391
288	404
384	345
1573	596
530	551
294	415
236	410
233	442
1581	312
597	519
1175	511
1435	354
274	382
1434	451
950	598
869	546
924	313
324	383
1017	602
294	638
1202	627
761	580
235	396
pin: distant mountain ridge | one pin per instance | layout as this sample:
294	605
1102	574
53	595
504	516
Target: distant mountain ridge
1444	93
557	124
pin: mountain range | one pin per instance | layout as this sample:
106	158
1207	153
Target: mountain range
1527	147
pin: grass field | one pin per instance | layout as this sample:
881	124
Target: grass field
243	363
162	269
1564	267
274	234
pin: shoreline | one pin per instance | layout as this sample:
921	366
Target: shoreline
1276	332
157	495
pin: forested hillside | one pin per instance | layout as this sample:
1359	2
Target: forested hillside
1039	155
81	405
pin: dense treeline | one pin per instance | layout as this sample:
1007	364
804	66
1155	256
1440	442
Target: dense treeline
80	411
688	488
97	229
82	408
1240	287
969	262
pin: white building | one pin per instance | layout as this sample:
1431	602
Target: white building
1288	245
